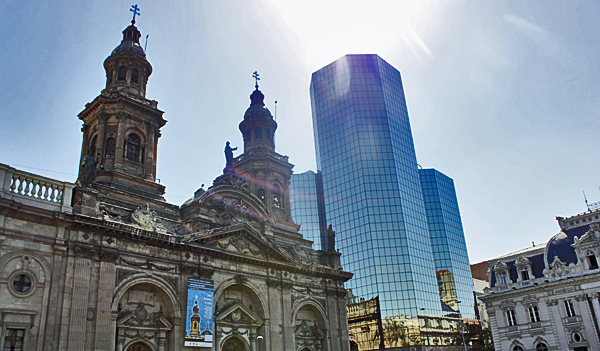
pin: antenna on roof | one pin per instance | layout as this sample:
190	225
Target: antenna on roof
586	202
146	45
276	118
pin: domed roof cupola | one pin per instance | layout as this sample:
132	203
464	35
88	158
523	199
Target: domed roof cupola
258	127
130	42
126	67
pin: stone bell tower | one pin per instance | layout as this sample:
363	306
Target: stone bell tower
267	172
121	127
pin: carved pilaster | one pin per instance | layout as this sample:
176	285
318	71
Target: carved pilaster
121	117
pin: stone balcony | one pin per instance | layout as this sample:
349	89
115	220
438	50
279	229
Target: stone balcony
34	190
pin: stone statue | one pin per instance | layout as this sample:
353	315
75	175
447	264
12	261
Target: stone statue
89	170
229	158
330	239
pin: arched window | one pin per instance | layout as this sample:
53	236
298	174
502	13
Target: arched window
277	197
133	147
258	133
110	147
541	347
122	73
134	76
261	194
517	348
593	262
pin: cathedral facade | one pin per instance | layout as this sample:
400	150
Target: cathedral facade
107	264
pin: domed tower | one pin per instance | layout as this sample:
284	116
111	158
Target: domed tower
267	172
121	127
127	67
258	127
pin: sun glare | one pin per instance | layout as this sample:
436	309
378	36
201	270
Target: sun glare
330	29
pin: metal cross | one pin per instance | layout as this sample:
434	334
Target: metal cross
135	10
255	76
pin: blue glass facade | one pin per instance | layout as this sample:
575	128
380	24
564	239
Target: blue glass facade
447	241
373	195
308	208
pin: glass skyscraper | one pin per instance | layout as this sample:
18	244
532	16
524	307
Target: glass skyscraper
447	242
308	207
372	188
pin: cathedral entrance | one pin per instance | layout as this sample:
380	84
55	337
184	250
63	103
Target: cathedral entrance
139	346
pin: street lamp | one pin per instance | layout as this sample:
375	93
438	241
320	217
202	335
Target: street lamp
258	339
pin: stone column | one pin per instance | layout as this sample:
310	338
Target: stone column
84	142
286	322
150	150
77	321
102	121
155	149
120	140
105	332
273	333
56	286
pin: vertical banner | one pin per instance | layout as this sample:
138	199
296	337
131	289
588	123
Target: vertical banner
199	317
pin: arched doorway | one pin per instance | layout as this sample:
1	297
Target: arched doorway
139	346
234	344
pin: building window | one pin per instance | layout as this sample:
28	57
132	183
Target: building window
258	133
134	76
541	347
13	339
501	278
22	284
132	148
524	274
510	317
110	147
517	348
577	337
122	73
277	197
569	308
592	261
261	194
534	315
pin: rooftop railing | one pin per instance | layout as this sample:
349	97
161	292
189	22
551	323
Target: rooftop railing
35	190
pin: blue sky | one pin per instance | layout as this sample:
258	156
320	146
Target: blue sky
504	98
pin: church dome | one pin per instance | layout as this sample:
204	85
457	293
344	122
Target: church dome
130	43
257	107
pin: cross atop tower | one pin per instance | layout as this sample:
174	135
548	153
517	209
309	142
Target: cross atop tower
255	76
136	11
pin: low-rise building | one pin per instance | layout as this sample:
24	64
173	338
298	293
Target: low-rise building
546	297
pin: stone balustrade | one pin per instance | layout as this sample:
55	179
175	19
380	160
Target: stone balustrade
35	190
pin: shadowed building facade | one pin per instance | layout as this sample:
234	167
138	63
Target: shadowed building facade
107	264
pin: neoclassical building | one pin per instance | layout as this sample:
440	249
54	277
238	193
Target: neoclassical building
548	297
107	264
